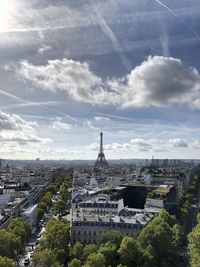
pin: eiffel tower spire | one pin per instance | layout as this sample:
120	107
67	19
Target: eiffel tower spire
101	159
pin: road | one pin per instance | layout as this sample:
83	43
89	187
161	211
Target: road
191	223
30	248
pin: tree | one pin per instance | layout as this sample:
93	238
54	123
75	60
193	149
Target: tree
40	213
47	198
89	249
194	245
130	252
42	205
56	238
164	238
51	188
75	263
6	262
59	206
20	228
10	244
45	258
166	217
77	251
95	260
109	251
114	237
64	192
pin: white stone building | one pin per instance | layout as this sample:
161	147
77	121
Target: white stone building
93	217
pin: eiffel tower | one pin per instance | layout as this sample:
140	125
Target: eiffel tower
101	162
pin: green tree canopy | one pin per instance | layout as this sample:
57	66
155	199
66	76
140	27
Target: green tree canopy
95	260
20	228
89	249
56	238
77	251
6	262
130	252
10	244
113	236
59	206
109	251
194	245
45	258
75	263
163	236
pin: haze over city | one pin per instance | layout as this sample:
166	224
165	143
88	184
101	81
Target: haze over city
70	69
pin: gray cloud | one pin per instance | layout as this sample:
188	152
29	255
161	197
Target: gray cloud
196	144
100	118
157	82
139	144
59	125
177	142
15	129
65	75
13	122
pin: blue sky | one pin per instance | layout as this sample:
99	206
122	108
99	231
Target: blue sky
69	69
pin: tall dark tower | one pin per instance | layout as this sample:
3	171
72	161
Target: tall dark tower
101	160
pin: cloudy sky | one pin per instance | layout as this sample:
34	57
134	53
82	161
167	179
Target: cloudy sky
69	69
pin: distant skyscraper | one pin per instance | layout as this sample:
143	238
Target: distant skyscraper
101	159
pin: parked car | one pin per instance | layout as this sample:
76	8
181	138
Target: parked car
26	261
31	254
38	236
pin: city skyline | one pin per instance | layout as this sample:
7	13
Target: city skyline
72	69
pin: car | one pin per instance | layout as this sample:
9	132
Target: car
65	212
31	254
37	241
38	236
26	261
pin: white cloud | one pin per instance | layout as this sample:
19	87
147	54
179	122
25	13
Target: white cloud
196	144
13	122
160	81
15	129
177	142
59	125
139	144
99	118
157	82
43	49
73	77
22	137
111	147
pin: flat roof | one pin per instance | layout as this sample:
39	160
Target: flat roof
29	209
134	184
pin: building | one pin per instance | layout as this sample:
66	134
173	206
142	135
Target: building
164	196
30	215
93	217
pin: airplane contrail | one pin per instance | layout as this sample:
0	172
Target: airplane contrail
107	30
110	34
42	105
180	19
21	30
